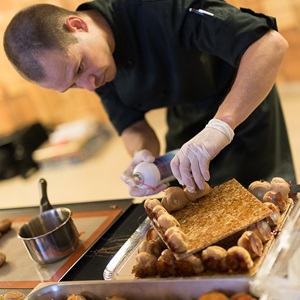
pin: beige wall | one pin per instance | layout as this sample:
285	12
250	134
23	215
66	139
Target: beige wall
287	13
24	103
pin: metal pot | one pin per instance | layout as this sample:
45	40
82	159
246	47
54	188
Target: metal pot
51	235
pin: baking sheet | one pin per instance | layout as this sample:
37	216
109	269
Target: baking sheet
22	272
167	289
120	266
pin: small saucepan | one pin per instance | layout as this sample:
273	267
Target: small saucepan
51	235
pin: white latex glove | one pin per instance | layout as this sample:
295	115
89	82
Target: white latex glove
140	156
191	164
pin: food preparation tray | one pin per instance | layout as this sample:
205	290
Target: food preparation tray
92	220
121	265
166	289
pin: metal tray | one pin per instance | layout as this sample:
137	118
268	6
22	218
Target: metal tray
173	289
120	266
94	219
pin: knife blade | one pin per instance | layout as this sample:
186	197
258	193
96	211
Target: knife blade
295	188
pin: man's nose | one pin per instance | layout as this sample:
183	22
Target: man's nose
87	82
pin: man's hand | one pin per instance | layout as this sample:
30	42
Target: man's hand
140	156
191	163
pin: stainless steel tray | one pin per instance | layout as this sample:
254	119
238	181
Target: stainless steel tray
94	219
121	265
173	289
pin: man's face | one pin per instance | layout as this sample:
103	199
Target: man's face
88	65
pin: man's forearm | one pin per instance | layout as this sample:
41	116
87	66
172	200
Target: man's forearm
140	136
256	76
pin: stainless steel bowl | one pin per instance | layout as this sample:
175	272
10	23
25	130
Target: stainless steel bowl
50	236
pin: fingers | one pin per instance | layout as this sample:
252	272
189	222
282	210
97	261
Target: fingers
197	177
162	187
175	163
143	155
129	180
140	156
190	168
181	168
203	159
141	192
138	192
185	168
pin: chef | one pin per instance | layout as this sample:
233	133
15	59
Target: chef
212	65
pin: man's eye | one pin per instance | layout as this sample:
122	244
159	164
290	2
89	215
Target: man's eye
80	68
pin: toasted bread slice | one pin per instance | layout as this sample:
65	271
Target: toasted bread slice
227	209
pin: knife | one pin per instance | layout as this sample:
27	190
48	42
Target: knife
295	188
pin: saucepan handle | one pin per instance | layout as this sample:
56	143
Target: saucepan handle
45	204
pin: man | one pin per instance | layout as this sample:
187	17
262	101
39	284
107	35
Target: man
211	64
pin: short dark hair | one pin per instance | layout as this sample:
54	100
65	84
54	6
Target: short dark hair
33	30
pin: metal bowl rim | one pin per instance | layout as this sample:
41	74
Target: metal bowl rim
49	232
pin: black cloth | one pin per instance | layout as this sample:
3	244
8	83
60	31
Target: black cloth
167	56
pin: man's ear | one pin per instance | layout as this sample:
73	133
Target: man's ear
75	23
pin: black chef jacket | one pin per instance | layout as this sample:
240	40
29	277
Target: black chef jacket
167	56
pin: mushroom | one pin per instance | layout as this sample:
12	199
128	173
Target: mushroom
275	198
149	206
176	239
158	211
214	258
278	184
193	196
189	266
252	243
238	259
145	265
274	218
166	221
259	188
150	247
262	229
166	264
174	199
